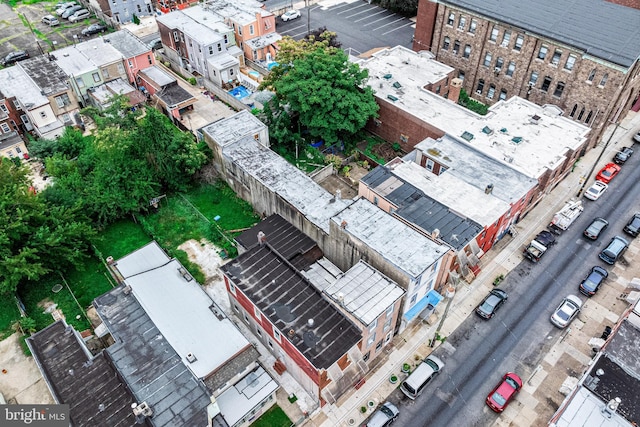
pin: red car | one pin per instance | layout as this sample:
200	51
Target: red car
608	172
500	397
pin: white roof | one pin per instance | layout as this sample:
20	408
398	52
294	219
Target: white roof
585	410
364	292
15	82
202	34
181	310
395	241
543	145
231	129
158	75
86	56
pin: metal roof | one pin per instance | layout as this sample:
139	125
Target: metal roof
296	308
600	28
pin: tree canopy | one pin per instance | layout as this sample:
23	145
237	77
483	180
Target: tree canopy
36	238
324	92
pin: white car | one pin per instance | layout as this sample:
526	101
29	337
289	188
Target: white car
566	311
288	16
384	416
596	190
80	15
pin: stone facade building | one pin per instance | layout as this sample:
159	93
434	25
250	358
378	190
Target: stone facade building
582	57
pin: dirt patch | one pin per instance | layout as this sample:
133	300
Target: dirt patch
207	256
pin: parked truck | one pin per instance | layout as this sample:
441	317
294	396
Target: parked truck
539	246
566	216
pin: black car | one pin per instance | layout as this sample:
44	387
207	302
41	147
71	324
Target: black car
94	29
13	57
592	282
622	155
633	226
595	229
491	303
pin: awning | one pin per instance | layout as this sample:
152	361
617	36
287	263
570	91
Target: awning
430	301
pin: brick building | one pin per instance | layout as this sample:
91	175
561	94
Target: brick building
581	56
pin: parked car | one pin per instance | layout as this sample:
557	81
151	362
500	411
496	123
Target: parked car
423	374
636	137
80	15
289	15
566	311
622	155
491	303
592	282
608	172
384	416
155	44
504	392
13	57
70	11
633	226
50	20
94	29
614	250
596	190
63	7
595	229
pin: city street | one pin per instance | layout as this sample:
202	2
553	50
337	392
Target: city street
360	26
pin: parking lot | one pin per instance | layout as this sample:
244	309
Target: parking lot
359	25
21	29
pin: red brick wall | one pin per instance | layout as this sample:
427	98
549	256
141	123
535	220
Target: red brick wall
425	23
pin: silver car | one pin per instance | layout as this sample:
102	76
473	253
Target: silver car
566	311
384	416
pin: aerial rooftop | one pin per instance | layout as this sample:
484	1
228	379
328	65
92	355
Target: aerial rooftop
87	56
127	43
528	137
46	74
394	240
600	28
230	129
14	82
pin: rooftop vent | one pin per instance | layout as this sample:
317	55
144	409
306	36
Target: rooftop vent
467	136
488	189
343	224
487	130
435	233
516	139
191	358
611	407
535	119
397	85
291	333
216	311
141	410
262	238
185	274
310	323
127	289
387	76
393	98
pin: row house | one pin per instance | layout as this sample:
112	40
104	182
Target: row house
11	141
504	49
164	90
136	54
123	11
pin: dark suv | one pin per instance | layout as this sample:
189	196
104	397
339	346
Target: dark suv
614	250
633	226
623	155
13	57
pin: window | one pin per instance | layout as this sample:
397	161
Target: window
250	29
373	326
413	299
226	39
231	71
542	53
379	346
371	340
581	114
533	79
16	104
120	68
429	165
445	43
258	331
603	80
456	47
43	115
246	318
494	34
210	50
519	42
461	75
573	111
588	119
105	73
219	47
276	334
387	324
149	59
62	100
139	9
4	108
592	75
487	59
506	38
404	138
130	64
503	95
462	23
571	61
438	90
257	314
511	69
270	344
79	82
175	36
239	30
480	87
546	83
451	18
232	288
473	26
366	356
491	92
66	119
467	51
375	201
235	307
499	64
389	312
559	89
555	59
5	127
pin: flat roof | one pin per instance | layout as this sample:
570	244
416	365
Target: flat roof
177	306
202	34
158	75
241	11
414	205
149	364
83	382
127	43
394	240
87	56
506	133
304	317
364	292
230	129
284	179
585	410
14	82
600	28
46	74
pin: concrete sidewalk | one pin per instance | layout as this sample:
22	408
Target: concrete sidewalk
413	343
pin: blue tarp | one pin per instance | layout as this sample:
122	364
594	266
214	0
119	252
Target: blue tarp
432	298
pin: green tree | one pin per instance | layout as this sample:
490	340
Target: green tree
70	143
35	238
327	94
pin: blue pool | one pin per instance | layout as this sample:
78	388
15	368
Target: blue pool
240	92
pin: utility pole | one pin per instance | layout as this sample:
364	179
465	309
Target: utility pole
450	293
306	5
593	167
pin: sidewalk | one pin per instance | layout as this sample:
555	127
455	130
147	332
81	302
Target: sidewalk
502	258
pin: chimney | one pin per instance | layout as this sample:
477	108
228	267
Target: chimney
454	90
310	323
343	224
262	238
489	189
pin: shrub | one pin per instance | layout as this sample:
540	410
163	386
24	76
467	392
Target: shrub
193	81
472	104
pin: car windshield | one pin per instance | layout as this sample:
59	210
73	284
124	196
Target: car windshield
490	303
499	399
433	364
564	313
386	411
607	172
594	190
512	383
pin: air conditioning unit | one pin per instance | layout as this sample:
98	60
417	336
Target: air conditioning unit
479	92
141	410
496	70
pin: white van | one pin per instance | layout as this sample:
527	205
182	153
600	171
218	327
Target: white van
418	380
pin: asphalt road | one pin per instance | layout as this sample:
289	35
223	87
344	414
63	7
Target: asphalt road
479	352
360	26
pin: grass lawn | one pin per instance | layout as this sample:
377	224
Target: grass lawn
120	238
274	417
8	314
